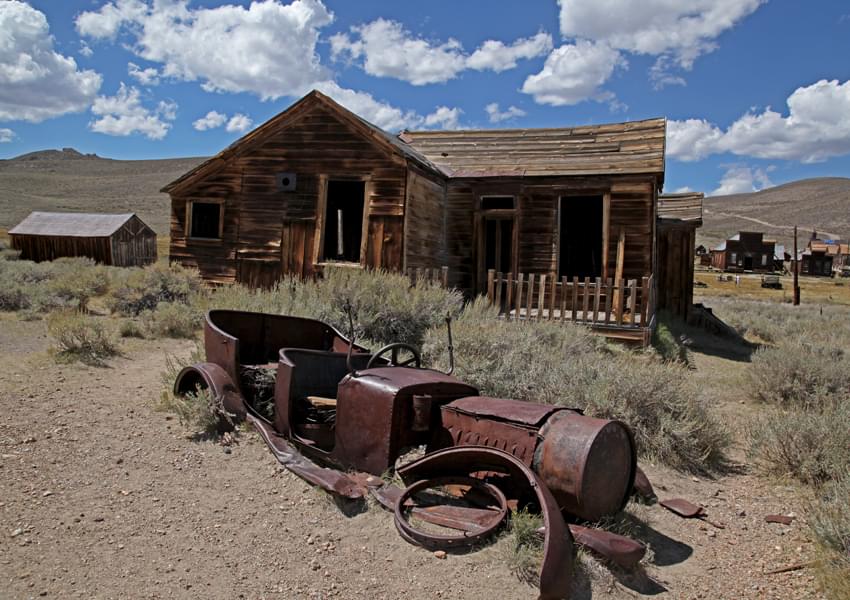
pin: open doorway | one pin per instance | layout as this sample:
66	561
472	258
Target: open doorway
343	224
580	236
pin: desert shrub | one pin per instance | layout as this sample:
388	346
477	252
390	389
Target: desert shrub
385	306
666	342
172	320
13	296
773	321
198	410
807	445
524	548
7	253
137	290
801	372
830	525
74	282
131	328
568	365
80	337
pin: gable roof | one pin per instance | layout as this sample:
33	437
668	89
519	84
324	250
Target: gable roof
71	224
685	207
617	148
261	133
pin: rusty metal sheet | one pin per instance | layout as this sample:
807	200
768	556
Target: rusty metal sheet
556	572
688	510
212	377
467	536
330	480
463	429
619	549
502	409
643	487
462	518
589	464
781	519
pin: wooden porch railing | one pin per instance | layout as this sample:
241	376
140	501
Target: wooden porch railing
435	275
624	303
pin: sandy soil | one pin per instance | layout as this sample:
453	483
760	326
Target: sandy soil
103	497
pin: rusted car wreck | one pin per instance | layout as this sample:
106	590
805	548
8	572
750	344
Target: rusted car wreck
340	417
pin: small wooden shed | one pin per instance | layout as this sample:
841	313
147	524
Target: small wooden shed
679	215
745	251
121	240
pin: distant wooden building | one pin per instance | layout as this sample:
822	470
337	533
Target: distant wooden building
822	258
745	251
679	216
121	240
317	185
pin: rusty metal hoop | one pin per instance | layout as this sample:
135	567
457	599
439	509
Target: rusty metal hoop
433	541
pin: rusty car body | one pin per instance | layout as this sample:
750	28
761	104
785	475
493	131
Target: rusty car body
340	417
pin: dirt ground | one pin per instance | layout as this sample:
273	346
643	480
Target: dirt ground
101	496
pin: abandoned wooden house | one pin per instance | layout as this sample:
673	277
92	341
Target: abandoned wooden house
120	240
679	216
745	251
317	185
822	258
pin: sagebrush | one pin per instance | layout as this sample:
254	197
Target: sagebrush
81	337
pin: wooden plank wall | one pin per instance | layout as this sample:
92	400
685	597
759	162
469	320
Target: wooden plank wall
632	210
676	269
424	227
134	244
40	247
263	223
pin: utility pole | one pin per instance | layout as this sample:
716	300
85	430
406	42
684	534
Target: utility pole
796	272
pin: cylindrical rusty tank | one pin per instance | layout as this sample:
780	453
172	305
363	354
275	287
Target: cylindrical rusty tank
588	464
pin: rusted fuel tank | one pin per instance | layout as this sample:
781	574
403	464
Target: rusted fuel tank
588	464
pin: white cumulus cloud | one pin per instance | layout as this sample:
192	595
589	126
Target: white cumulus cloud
816	128
444	118
268	48
147	77
239	123
679	29
380	113
123	114
497	116
211	120
385	48
740	179
574	73
36	82
6	136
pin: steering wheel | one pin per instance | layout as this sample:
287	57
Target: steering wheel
393	360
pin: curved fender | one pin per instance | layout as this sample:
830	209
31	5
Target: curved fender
212	377
556	572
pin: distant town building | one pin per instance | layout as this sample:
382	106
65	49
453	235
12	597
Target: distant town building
822	257
747	251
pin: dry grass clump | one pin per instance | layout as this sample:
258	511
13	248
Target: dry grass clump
172	320
802	371
136	290
830	524
567	365
63	284
385	306
524	548
81	337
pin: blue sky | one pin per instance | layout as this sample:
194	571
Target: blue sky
757	92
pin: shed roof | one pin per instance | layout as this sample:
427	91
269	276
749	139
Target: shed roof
685	207
617	148
71	224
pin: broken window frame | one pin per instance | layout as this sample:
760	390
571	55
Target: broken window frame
190	218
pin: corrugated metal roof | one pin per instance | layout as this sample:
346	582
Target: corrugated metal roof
71	224
618	148
681	207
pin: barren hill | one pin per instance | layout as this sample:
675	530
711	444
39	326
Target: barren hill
66	180
821	204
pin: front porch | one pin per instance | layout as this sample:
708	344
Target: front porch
622	310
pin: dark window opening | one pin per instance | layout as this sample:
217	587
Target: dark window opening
497	202
344	220
206	220
498	244
580	237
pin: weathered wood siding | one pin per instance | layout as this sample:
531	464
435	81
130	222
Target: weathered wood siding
133	245
676	269
424	227
632	209
262	223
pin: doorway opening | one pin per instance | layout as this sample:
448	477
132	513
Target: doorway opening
580	236
498	244
343	225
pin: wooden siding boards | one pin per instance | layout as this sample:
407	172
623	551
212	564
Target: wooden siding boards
120	240
424	221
